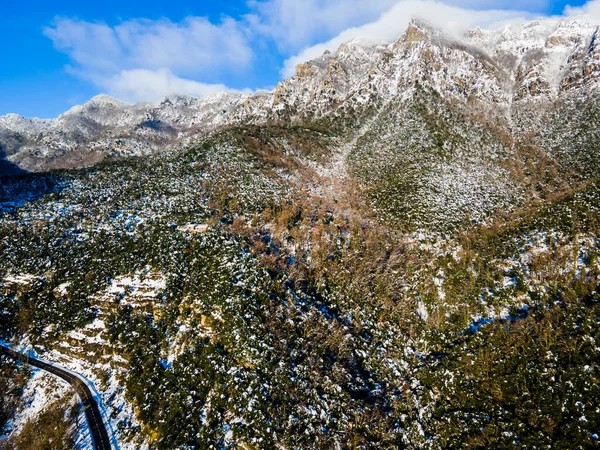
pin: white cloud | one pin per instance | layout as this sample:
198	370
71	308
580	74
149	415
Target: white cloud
90	45
391	24
154	85
296	24
591	8
536	6
194	46
146	60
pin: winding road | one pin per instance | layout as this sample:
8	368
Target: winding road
98	430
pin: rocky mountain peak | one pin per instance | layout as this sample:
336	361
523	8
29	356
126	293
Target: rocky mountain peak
516	63
418	30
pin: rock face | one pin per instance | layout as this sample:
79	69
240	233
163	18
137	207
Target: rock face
503	70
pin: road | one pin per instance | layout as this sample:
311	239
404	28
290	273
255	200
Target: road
98	430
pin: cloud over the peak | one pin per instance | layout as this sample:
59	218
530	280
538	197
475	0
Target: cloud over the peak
296	24
390	25
591	9
535	6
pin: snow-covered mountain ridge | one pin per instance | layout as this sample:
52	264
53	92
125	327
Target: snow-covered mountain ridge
543	60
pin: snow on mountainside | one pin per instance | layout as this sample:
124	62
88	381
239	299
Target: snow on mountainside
397	247
519	62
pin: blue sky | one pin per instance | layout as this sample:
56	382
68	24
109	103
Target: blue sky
61	53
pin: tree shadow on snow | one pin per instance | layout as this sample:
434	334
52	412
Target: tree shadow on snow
18	187
7	167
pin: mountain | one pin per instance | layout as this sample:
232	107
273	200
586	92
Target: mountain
501	87
504	69
397	247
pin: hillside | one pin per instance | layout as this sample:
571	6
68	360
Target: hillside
395	248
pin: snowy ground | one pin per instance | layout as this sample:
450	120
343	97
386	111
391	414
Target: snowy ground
42	390
83	352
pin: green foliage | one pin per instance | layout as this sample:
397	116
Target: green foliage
526	383
13	378
571	134
53	429
427	165
293	318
